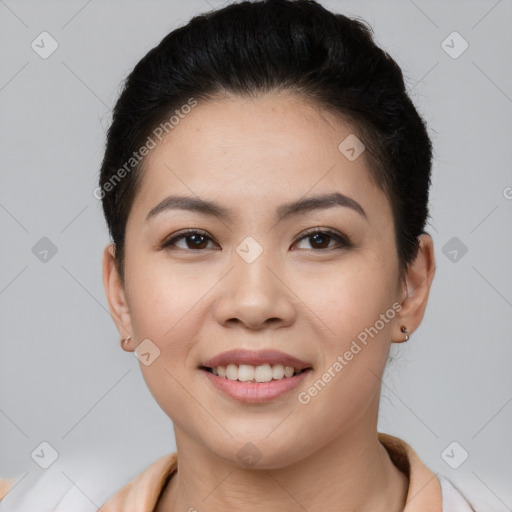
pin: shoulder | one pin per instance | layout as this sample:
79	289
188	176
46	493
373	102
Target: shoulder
430	491
53	490
143	491
77	481
6	485
453	499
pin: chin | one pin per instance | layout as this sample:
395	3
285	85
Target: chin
258	452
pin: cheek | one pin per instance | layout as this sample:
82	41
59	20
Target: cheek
168	317
349	299
167	307
354	351
356	305
165	300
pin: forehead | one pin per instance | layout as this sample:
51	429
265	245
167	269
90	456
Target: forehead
252	152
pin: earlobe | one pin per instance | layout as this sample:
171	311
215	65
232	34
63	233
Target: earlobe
418	280
116	298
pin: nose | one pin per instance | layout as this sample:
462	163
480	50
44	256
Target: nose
255	295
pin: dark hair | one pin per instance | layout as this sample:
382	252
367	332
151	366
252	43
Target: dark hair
250	48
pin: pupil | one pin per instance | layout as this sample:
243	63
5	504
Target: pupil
197	239
319	239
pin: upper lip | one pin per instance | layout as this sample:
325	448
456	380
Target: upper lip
255	358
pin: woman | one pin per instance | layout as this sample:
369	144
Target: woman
265	183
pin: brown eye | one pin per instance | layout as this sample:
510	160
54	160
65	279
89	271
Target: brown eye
196	241
193	240
322	239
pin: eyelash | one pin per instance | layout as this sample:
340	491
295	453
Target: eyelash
343	241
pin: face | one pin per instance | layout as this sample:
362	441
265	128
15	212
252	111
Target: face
317	282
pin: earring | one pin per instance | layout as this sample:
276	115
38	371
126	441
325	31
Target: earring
125	340
406	332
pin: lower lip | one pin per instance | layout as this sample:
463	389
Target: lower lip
255	392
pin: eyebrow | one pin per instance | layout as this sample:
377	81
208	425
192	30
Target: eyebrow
300	207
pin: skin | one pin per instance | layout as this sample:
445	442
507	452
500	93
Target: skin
302	296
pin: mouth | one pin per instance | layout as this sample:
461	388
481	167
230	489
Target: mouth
255	376
248	373
255	365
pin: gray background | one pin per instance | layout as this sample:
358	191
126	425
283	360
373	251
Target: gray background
63	376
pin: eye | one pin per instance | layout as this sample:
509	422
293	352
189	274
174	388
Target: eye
193	239
197	240
320	238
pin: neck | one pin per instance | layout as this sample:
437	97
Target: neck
353	472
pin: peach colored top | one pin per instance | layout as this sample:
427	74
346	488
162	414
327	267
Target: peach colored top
426	492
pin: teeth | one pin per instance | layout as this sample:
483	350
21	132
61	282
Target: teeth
264	373
232	372
247	373
288	371
278	371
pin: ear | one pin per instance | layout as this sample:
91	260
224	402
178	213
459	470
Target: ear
114	290
416	288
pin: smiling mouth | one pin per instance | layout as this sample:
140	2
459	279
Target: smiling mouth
261	373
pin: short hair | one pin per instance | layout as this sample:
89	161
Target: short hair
252	48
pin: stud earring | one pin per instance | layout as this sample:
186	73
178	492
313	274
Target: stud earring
406	332
125	340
